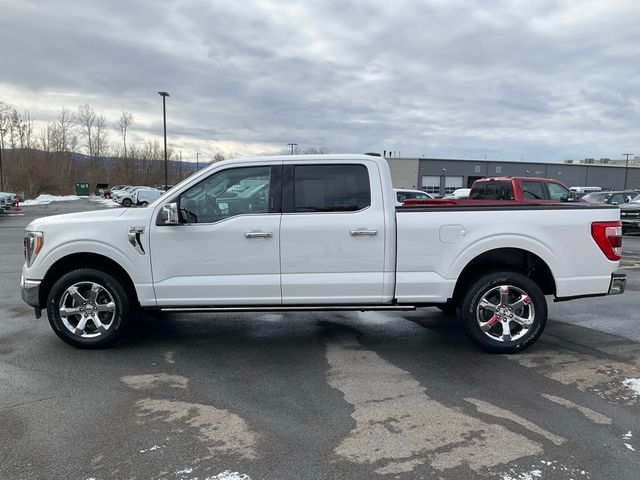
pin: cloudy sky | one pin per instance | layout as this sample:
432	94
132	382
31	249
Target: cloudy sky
509	79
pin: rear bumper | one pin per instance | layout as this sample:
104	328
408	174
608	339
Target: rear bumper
618	283
30	292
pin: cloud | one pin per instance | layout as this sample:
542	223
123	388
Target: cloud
543	80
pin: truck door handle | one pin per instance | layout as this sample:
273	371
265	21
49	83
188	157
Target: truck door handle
363	233
257	235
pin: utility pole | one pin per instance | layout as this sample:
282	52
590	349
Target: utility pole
626	168
180	165
164	95
292	145
198	161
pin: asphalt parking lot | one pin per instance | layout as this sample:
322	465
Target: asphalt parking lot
373	395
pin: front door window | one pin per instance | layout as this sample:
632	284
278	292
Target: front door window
236	191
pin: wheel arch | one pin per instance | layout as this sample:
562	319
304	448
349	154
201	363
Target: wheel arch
86	260
516	259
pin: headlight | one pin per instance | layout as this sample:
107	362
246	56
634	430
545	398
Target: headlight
33	242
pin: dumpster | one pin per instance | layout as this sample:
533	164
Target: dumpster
83	189
99	188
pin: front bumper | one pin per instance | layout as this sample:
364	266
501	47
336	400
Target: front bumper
630	222
30	292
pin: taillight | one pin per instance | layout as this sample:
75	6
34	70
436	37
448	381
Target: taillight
608	236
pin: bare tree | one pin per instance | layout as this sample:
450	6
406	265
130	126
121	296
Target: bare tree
122	125
87	125
64	129
26	130
5	119
218	157
101	137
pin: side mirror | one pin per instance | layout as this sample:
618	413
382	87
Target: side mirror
169	214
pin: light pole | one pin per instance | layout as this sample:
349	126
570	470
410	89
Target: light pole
198	161
1	175
164	95
626	168
292	145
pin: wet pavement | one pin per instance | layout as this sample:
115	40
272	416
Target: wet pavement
399	395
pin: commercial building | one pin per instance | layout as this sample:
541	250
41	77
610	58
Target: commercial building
442	176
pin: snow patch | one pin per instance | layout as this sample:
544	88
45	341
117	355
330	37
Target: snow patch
633	384
107	202
229	475
155	447
533	474
46	199
552	468
627	435
629	447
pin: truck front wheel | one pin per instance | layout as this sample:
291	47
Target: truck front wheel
88	308
504	312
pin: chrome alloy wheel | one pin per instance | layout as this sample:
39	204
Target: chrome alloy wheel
87	309
505	313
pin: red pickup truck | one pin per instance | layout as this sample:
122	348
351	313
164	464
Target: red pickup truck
508	189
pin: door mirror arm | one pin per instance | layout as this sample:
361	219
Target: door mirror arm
169	214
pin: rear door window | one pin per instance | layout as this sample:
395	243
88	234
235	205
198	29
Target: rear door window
533	190
331	188
492	191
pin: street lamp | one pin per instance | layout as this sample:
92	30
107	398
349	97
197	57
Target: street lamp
164	95
198	161
626	168
292	145
1	175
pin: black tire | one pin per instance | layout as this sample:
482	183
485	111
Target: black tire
126	203
107	196
92	336
518	287
144	204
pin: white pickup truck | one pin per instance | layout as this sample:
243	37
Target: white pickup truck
317	233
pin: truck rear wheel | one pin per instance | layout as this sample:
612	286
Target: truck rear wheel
88	308
504	312
126	203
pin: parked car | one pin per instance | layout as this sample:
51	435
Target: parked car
5	203
630	215
580	192
10	198
516	190
144	196
403	194
108	192
520	189
125	196
610	198
460	193
317	232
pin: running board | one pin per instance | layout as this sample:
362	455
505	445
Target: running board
293	308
